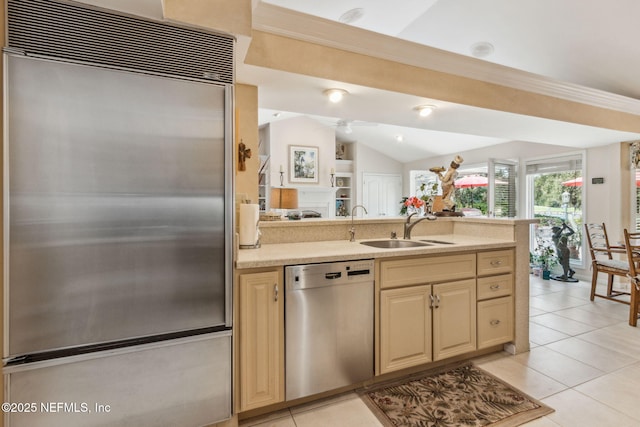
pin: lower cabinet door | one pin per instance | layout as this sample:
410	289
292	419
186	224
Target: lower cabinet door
454	318
495	321
261	331
405	328
180	382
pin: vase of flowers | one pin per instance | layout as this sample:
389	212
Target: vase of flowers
411	205
422	202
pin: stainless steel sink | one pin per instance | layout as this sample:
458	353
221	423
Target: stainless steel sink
440	242
394	244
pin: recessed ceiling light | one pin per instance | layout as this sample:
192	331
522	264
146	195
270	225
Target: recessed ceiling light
335	95
399	138
276	115
482	49
425	110
351	16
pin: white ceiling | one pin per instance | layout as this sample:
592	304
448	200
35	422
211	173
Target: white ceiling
588	43
591	43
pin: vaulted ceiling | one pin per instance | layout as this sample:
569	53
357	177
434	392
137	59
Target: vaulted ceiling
576	47
572	42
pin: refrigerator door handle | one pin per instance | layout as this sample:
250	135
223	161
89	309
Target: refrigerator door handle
229	190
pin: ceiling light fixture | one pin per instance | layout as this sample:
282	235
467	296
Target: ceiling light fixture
335	95
351	15
399	138
481	49
425	110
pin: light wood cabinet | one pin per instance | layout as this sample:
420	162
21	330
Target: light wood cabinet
405	327
495	321
261	339
495	298
412	271
495	286
454	318
420	322
495	262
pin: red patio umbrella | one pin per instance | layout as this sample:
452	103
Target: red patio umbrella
469	181
577	182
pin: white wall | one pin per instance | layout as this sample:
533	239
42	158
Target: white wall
604	201
301	131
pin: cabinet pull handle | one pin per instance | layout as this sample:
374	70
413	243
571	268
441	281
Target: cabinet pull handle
494	287
432	301
275	292
494	322
496	263
437	301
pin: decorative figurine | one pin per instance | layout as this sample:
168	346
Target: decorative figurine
243	154
447	183
560	238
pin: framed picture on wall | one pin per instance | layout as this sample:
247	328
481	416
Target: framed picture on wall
303	164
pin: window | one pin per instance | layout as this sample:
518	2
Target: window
554	187
502	194
635	174
481	189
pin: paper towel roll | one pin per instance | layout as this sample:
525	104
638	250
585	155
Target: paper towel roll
248	230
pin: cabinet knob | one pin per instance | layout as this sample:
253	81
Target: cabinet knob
494	322
496	263
275	292
494	287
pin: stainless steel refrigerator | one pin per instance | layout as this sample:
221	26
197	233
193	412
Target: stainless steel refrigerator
117	208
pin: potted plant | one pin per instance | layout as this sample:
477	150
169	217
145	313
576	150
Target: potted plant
429	191
545	257
574	245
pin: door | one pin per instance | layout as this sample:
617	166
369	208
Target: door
381	194
405	327
454	318
183	382
117	194
261	332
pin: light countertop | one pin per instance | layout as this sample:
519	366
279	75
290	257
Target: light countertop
278	254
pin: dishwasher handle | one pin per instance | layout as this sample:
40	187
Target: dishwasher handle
301	277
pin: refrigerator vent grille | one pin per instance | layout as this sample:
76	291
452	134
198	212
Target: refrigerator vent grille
83	33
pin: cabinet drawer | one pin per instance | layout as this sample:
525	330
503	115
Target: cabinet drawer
495	262
495	286
495	322
396	273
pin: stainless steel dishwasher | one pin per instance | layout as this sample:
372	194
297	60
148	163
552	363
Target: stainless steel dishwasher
328	326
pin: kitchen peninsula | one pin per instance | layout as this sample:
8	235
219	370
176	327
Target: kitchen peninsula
464	292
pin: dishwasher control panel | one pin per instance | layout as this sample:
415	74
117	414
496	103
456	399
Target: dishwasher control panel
327	274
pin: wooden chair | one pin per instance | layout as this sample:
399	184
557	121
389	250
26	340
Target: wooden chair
632	243
602	261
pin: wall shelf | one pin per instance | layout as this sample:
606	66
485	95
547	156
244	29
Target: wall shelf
344	178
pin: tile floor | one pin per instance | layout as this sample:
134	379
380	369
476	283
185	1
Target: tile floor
584	362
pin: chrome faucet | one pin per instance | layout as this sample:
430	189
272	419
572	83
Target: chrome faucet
408	225
352	230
